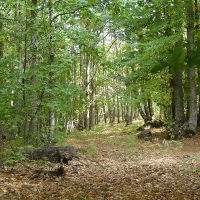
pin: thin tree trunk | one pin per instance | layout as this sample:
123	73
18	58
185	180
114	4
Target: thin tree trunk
122	112
150	107
113	111
142	114
104	113
18	123
131	115
24	82
1	41
147	114
118	110
110	114
81	124
128	114
51	82
93	99
87	83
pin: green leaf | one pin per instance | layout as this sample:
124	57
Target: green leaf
194	58
159	67
91	2
178	54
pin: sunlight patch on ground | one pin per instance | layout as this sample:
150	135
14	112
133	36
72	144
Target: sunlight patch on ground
165	160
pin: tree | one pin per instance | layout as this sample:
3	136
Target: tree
158	26
192	121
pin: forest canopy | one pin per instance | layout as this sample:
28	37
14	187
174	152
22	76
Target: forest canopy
77	63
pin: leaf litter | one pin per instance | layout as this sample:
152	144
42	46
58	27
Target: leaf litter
150	170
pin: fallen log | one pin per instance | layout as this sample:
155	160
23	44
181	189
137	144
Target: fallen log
151	124
54	154
57	172
144	133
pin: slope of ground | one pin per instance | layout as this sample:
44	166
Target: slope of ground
113	164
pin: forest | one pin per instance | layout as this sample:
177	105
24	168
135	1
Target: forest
94	74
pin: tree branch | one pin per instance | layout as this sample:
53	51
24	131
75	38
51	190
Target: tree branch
70	12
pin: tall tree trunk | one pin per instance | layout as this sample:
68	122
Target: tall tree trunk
1	40
33	67
178	98
114	111
93	94
150	107
196	31
24	81
110	111
118	110
1	56
87	83
105	115
51	82
192	122
129	114
80	117
143	115
147	114
18	123
172	111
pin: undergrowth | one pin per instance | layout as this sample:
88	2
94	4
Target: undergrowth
90	149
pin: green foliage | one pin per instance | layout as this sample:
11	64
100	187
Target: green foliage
91	2
112	139
193	57
14	155
60	138
82	198
132	140
198	170
162	65
171	145
198	157
90	149
86	56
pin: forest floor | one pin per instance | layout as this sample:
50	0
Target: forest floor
113	165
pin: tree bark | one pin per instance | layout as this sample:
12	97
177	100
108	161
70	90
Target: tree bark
143	114
150	107
54	154
51	82
87	84
178	98
1	41
1	56
33	67
147	114
192	122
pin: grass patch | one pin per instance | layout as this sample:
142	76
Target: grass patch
171	145
59	138
90	149
198	170
132	141
112	139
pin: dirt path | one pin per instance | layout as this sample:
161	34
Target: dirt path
114	165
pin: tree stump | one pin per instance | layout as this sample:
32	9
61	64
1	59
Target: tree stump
54	154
